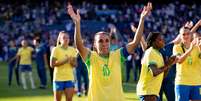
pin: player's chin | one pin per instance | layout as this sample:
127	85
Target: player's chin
162	45
105	51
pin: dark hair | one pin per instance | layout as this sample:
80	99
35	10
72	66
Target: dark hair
187	28
98	33
37	40
112	37
102	32
151	38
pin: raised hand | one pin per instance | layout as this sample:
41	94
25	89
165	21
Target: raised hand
146	10
112	28
133	28
189	24
199	43
171	60
193	43
75	16
199	22
73	61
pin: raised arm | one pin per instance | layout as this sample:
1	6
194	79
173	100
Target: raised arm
199	46
77	34
142	41
182	57
197	25
177	40
133	44
113	31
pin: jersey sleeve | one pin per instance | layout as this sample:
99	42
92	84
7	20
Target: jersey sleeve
19	52
148	60
177	50
31	49
88	61
151	60
124	54
54	53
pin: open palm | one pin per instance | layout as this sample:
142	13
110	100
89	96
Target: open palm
75	16
146	10
133	28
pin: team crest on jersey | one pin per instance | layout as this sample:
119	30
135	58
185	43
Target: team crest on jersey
106	70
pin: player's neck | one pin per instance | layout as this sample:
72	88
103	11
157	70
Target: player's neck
64	46
104	55
186	45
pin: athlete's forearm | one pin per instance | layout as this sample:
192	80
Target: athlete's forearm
138	35
143	44
182	57
158	71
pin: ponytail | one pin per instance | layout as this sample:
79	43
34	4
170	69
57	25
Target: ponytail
58	38
151	38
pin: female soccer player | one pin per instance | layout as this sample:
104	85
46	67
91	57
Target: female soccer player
153	68
104	66
188	78
24	55
63	60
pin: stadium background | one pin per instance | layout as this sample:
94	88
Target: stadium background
44	18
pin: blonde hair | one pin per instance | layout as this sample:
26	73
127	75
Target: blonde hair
59	37
183	30
186	30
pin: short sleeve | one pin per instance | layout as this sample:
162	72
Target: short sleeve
19	52
87	61
31	49
54	53
151	60
177	50
124	54
152	57
75	53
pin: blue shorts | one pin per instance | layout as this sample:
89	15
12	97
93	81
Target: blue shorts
142	97
25	68
61	85
186	93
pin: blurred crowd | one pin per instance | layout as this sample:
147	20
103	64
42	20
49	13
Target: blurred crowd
27	20
45	20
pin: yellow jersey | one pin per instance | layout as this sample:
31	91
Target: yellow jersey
25	54
148	84
63	72
105	77
189	71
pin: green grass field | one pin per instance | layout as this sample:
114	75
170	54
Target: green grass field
15	93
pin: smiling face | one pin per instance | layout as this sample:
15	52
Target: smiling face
102	43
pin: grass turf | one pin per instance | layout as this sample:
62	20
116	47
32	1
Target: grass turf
16	93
